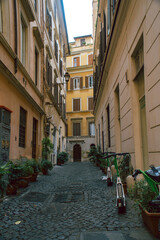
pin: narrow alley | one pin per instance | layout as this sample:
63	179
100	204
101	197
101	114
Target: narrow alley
73	203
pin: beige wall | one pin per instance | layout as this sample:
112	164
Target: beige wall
136	19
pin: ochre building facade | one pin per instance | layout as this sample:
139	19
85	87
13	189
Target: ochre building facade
127	79
79	99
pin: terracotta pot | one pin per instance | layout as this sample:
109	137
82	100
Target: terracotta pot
44	171
11	189
151	220
22	183
34	177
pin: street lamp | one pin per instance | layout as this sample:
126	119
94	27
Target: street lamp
67	76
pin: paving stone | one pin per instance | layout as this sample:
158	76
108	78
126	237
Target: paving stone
62	205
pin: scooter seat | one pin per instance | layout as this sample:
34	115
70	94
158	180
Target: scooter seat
155	175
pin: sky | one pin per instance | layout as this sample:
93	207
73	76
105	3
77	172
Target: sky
78	17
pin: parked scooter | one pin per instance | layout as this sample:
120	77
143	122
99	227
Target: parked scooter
152	176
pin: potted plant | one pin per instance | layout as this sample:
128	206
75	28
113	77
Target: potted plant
142	194
45	165
34	164
3	178
62	157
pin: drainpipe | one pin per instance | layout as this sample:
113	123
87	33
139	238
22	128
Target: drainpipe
15	32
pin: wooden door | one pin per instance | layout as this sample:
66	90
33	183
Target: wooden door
34	136
77	153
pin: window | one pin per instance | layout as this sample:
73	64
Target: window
76	129
90	59
48	72
60	67
76	62
109	16
139	58
76	83
1	28
35	5
23	41
90	81
22	127
108	127
90	103
49	23
91	129
76	104
55	11
56	49
83	42
36	66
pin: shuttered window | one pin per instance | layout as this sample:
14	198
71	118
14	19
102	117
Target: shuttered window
76	62
71	84
76	104
76	129
56	49
90	103
86	82
22	127
90	59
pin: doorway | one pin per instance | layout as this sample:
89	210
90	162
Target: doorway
77	153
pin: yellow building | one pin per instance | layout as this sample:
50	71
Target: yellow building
79	99
127	86
33	48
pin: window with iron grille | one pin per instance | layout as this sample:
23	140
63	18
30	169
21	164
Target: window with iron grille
90	103
76	129
76	104
22	127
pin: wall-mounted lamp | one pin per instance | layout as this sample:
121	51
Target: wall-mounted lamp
67	77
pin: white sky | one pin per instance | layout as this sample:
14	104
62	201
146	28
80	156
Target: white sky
78	17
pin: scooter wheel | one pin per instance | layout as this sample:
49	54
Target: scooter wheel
122	209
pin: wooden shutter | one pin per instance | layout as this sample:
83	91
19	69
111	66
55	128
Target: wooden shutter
78	61
67	86
90	103
50	76
76	129
76	104
81	82
86	82
71	84
90	59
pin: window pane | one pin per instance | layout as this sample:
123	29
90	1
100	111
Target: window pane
90	81
91	129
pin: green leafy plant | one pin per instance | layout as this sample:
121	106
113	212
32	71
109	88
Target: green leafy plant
62	157
47	148
3	178
142	194
125	167
34	164
46	164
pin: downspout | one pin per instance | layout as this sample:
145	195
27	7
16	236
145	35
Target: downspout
15	36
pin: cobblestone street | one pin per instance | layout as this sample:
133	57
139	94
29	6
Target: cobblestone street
73	203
